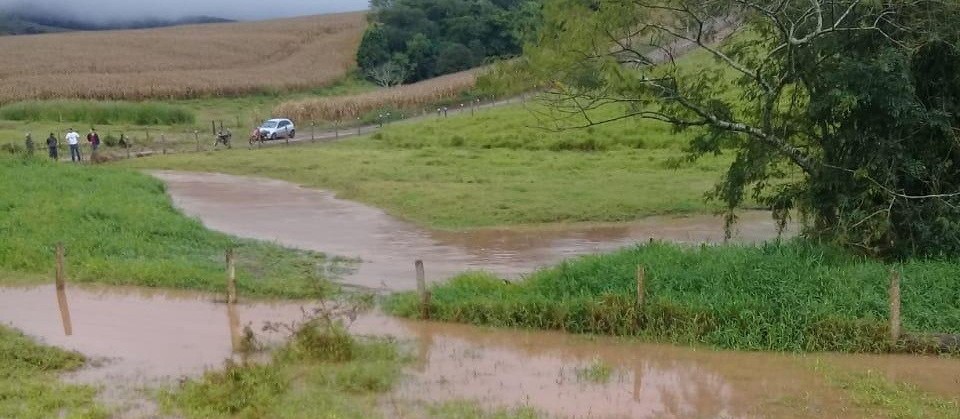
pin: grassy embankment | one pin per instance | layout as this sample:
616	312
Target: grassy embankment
494	168
29	387
119	227
789	297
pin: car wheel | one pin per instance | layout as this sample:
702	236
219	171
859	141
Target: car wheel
273	137
292	134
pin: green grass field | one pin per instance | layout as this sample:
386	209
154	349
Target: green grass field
119	227
789	297
29	387
487	170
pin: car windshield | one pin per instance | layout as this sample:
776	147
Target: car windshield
269	124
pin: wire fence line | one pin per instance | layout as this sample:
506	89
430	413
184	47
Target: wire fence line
145	141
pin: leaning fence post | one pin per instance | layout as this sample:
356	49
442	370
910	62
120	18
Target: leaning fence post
231	277
641	277
894	305
196	136
422	291
61	286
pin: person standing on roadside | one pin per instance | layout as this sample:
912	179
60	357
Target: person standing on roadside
52	147
94	140
73	140
29	144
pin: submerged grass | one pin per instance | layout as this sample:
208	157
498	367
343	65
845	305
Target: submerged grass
789	297
879	396
470	410
119	227
321	373
29	387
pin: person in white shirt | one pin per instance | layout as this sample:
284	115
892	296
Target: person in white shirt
73	140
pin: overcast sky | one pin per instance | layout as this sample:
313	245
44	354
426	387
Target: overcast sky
107	10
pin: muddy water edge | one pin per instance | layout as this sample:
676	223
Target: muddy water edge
317	220
142	338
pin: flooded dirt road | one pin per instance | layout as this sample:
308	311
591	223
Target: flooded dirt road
313	219
141	337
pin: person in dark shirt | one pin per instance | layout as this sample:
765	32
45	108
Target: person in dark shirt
52	146
94	139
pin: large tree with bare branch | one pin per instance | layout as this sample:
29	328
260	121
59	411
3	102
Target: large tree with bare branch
846	112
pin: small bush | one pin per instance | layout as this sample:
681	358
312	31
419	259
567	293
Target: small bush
13	148
318	342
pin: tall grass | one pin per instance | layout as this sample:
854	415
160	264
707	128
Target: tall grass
790	297
29	386
416	96
119	227
98	113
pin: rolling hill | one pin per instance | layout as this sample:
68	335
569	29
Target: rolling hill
180	62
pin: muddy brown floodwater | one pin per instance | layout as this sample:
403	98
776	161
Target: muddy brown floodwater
316	220
143	338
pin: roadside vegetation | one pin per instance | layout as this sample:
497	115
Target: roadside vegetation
411	98
119	227
794	296
29	383
98	113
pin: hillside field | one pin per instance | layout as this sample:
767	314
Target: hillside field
181	62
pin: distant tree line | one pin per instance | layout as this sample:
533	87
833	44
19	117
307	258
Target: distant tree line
412	40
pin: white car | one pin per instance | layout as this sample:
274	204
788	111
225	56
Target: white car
275	129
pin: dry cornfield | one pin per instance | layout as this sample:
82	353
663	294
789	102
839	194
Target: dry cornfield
411	96
181	62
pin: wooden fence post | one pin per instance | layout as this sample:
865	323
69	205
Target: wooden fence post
196	136
163	143
641	277
894	305
422	291
61	285
231	277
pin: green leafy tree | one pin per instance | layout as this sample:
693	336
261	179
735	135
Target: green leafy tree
844	111
433	34
373	50
423	57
